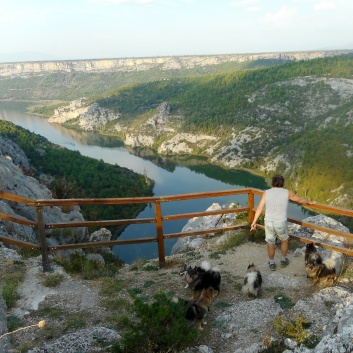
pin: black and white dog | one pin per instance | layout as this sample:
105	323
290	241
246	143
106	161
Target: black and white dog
252	281
201	277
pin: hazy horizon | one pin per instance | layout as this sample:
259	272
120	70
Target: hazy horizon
39	30
31	57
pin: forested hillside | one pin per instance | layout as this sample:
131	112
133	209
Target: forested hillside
72	175
295	117
299	115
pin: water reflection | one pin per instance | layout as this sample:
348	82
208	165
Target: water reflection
89	138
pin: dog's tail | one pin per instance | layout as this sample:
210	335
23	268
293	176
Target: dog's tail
330	264
215	269
205	265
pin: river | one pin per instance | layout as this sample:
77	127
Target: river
178	176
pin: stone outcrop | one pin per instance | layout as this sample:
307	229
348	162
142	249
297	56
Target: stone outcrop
26	69
89	116
4	341
83	340
207	222
12	152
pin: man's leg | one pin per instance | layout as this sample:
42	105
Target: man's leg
271	244
271	248
284	247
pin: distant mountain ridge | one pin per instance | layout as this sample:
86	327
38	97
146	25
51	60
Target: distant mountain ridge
30	68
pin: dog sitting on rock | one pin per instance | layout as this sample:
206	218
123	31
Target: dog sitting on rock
321	272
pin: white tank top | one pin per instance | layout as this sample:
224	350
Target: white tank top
276	204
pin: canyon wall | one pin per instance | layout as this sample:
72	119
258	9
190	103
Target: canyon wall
30	68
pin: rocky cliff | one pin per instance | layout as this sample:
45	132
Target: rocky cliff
87	117
26	69
15	178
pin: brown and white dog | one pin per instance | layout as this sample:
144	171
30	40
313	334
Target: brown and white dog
198	309
321	272
201	277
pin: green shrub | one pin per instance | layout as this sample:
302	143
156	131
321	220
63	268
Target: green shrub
110	286
135	291
51	312
159	327
89	269
52	279
9	293
234	239
28	253
110	258
13	323
150	268
217	255
283	301
148	284
75	322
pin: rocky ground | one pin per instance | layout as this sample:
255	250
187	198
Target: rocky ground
81	317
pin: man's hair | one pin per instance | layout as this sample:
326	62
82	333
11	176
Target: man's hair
278	181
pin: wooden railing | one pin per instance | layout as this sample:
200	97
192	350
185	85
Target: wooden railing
158	219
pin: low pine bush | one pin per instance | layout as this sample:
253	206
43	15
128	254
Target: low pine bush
159	326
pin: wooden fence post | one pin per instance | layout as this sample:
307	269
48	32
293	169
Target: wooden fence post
251	205
42	239
160	236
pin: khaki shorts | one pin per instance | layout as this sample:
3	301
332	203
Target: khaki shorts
276	229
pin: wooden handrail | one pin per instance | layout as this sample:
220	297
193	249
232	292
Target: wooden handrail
158	220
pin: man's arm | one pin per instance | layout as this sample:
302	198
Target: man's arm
298	199
258	211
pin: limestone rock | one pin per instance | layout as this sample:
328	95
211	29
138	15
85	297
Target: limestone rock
4	341
11	151
336	258
80	341
27	69
90	117
207	222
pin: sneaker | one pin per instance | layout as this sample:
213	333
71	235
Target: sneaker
285	262
272	266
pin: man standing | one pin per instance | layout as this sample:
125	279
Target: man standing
276	201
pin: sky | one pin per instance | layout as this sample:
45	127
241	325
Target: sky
97	29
